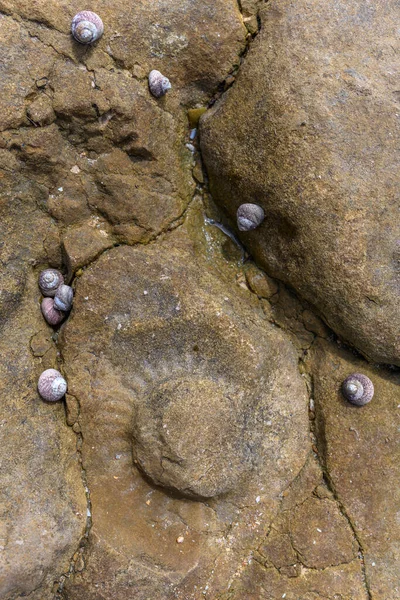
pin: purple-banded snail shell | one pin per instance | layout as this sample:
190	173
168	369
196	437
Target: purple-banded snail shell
63	298
52	385
51	314
158	84
358	389
249	216
49	281
87	27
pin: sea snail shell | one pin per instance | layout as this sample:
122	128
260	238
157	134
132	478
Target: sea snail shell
87	27
51	314
249	216
49	281
52	385
358	389
63	298
158	84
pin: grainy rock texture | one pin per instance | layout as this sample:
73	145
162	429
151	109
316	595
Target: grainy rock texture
42	499
174	388
360	449
310	131
88	160
308	529
183	465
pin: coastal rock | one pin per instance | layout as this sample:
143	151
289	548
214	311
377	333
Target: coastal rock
42	499
359	447
185	391
309	132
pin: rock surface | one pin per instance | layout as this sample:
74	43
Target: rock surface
360	450
309	131
183	465
42	499
168	379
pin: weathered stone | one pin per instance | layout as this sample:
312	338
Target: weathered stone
42	503
308	132
92	136
174	370
41	112
83	243
260	283
258	583
322	535
169	37
359	446
189	439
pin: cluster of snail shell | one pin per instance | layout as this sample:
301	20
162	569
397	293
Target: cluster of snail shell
56	303
58	296
87	27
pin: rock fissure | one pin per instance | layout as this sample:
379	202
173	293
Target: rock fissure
320	442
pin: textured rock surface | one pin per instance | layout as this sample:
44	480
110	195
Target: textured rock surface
309	523
88	159
185	402
42	500
79	122
168	375
309	131
360	449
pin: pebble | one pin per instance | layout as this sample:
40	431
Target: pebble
180	539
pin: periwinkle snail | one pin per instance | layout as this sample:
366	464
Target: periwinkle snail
358	389
158	84
49	281
249	216
87	27
63	298
50	313
52	385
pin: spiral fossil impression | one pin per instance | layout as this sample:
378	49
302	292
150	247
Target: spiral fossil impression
87	27
195	369
358	389
52	385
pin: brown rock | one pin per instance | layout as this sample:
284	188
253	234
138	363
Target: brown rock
42	500
41	112
174	370
322	535
260	283
360	449
308	132
85	242
258	583
169	38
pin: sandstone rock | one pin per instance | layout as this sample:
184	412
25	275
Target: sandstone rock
322	535
42	499
189	437
84	243
174	369
260	283
361	453
308	131
169	37
258	583
81	123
